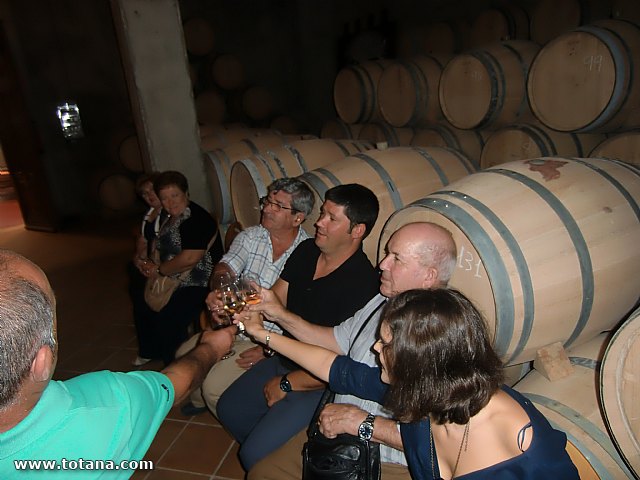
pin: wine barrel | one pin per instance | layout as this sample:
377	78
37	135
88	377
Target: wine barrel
487	87
222	137
469	142
571	405
250	177
218	165
546	247
551	18
588	80
397	176
408	92
336	128
623	146
506	22
380	133
257	103
355	92
619	387
518	142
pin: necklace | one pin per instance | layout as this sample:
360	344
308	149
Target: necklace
464	442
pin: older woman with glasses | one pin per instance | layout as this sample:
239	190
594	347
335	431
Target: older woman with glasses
184	249
441	379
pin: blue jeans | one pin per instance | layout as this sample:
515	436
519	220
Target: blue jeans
243	411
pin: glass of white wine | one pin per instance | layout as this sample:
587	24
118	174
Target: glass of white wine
249	289
226	291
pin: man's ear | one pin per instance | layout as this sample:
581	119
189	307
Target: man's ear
358	231
42	365
430	278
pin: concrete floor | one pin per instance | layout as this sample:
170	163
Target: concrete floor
86	265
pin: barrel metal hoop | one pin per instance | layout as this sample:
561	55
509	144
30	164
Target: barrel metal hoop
330	176
298	156
278	163
341	147
539	137
312	179
386	179
525	72
251	145
498	86
261	188
223	185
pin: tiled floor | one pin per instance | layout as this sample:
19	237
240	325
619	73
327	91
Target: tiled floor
86	266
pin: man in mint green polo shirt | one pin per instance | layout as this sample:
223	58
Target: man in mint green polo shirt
100	419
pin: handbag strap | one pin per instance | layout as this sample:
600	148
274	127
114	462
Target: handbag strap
328	395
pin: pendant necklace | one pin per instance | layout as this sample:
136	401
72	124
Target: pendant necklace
464	442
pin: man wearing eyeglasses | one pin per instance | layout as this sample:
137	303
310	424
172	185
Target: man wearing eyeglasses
261	250
326	280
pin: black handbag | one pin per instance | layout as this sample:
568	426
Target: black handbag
345	457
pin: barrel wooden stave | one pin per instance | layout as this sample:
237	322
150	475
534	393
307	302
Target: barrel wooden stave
355	92
469	142
551	18
623	146
506	22
543	247
380	133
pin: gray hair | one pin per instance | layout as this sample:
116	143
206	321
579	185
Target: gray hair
441	255
26	324
302	199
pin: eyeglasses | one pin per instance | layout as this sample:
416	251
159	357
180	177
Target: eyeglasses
264	201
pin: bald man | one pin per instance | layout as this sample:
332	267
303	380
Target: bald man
104	415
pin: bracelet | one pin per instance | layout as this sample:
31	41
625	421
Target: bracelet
268	352
266	341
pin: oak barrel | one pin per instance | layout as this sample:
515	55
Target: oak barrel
505	22
551	18
545	247
355	92
588	80
623	146
469	142
336	128
385	134
408	92
487	87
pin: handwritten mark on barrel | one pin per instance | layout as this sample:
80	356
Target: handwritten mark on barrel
548	168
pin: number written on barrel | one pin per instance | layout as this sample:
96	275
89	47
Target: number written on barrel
594	62
468	262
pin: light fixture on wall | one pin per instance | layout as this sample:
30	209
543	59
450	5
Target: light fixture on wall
69	116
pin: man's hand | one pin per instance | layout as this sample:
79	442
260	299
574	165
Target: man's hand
250	357
272	391
270	306
337	418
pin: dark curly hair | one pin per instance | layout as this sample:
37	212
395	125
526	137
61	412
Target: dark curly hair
440	358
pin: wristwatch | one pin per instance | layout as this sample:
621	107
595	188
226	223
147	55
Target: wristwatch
285	384
365	430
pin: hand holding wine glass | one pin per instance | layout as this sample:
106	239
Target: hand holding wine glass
225	303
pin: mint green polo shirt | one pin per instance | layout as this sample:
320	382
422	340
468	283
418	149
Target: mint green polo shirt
99	416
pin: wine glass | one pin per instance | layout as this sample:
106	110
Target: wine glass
226	292
249	289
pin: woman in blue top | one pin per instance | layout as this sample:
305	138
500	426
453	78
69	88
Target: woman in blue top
444	386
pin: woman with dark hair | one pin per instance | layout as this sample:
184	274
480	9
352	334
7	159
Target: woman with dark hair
457	420
183	248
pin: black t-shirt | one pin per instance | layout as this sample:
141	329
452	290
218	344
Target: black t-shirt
331	299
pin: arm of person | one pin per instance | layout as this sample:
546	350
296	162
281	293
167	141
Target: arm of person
184	261
315	359
300	380
337	418
188	372
273	309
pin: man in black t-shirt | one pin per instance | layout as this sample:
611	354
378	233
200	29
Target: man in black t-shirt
326	280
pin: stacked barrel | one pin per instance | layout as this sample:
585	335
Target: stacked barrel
546	211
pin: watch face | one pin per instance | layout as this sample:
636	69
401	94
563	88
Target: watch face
285	385
365	431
